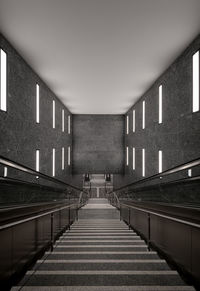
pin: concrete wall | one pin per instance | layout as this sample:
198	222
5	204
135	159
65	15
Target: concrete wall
179	134
20	135
98	144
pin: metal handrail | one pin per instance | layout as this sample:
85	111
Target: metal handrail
164	184
178	168
163	216
8	225
116	197
9	163
25	183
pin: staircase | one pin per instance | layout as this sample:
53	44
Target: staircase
98	186
100	253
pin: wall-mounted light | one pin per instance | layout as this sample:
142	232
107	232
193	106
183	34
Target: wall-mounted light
195	69
3	80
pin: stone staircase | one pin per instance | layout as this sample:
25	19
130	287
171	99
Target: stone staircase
100	253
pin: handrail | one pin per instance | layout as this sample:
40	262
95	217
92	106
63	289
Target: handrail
25	183
34	217
116	197
178	168
80	197
28	170
164	184
163	216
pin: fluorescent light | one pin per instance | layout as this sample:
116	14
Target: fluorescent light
5	172
69	158
143	162
127	124
160	104
37	103
69	124
3	82
195	82
127	156
63	120
54	114
37	160
190	173
133	120
143	114
160	161
53	163
133	158
63	158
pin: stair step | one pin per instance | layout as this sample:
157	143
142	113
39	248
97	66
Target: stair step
101	254
105	288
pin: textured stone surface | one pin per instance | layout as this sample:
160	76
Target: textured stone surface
20	135
98	144
179	134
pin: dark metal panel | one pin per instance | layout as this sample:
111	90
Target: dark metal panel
43	231
5	254
72	214
139	221
56	224
23	244
23	241
196	252
173	238
125	214
64	217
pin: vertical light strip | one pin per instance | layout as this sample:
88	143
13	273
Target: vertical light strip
195	67
160	105
63	158
69	124
3	82
127	156
53	163
127	124
5	172
143	162
133	158
190	173
37	161
54	114
133	120
37	103
63	120
160	161
69	158
143	114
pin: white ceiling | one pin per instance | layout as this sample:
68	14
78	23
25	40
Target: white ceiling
99	56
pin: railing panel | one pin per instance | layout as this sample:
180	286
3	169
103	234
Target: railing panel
173	238
23	244
125	214
196	252
139	221
22	241
174	232
43	231
72	214
64	217
56	224
6	265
